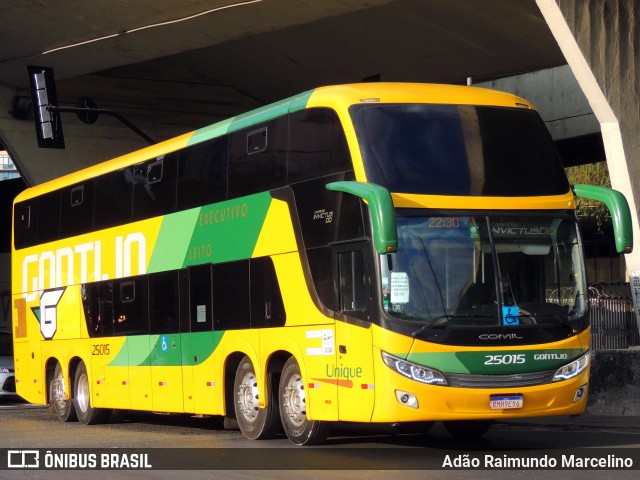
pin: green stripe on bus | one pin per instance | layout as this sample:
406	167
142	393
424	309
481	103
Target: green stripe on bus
159	350
212	131
173	241
497	362
228	230
219	232
134	351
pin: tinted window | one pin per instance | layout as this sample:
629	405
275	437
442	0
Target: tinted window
231	295
97	300
76	211
49	217
202	173
113	198
257	158
26	223
130	307
267	308
200	298
317	145
184	306
320	266
163	302
353	287
458	150
521	156
154	187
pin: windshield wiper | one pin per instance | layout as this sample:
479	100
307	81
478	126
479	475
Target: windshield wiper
556	316
446	316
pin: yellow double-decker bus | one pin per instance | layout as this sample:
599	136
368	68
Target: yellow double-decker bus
393	253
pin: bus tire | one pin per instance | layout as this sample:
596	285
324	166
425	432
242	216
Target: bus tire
254	422
87	415
62	407
293	409
467	428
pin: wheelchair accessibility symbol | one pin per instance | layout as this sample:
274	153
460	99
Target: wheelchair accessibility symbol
510	316
165	347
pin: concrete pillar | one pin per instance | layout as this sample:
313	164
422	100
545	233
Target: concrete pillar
600	40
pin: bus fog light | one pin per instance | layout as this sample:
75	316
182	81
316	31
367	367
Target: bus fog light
580	393
406	398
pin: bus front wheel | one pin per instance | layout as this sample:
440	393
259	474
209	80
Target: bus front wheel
254	422
58	397
293	409
82	400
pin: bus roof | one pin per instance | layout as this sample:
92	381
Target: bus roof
336	96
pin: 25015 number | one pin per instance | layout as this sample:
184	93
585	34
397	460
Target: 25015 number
100	349
505	359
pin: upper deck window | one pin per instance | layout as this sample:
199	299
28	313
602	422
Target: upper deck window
458	150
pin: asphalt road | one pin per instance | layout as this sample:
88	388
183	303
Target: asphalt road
194	447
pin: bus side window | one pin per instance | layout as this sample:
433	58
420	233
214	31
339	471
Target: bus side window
353	283
321	272
26	224
184	308
317	145
267	307
49	217
163	303
231	303
154	187
201	313
131	316
97	300
113	198
257	158
76	209
202	173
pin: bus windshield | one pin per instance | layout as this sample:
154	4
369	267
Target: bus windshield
490	271
458	150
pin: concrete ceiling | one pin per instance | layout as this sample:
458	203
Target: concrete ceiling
171	67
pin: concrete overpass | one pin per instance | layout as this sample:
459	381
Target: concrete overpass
171	68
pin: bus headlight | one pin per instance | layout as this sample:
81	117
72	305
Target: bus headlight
572	369
416	372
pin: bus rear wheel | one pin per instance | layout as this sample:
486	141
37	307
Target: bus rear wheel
467	428
254	422
293	409
82	400
61	405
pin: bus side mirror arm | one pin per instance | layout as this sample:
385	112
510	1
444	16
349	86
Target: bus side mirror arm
619	209
383	215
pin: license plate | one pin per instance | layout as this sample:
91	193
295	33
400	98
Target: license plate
505	402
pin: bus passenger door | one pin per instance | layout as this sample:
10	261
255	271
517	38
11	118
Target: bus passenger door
353	368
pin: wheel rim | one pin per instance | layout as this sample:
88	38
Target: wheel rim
294	401
58	392
82	395
247	397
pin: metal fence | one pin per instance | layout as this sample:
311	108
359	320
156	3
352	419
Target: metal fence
613	319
